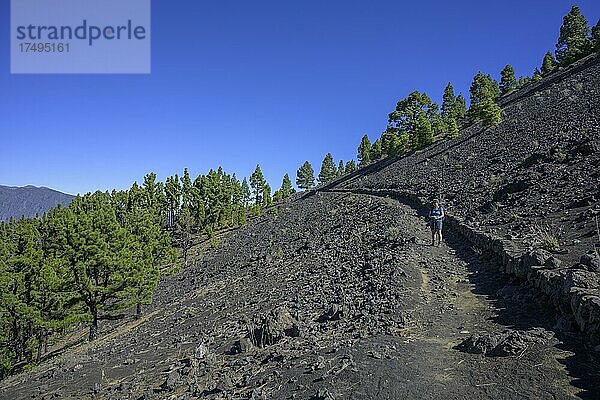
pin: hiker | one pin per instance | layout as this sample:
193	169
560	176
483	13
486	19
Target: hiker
436	218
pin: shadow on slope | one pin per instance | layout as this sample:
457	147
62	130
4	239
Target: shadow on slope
516	305
520	307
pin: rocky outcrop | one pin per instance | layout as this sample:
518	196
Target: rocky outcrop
503	344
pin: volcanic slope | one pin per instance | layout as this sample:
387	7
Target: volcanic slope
338	294
536	174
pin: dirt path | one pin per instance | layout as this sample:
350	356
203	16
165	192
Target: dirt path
459	296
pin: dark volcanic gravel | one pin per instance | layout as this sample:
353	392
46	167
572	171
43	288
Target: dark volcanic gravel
536	174
336	296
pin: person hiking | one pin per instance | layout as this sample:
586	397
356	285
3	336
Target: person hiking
436	218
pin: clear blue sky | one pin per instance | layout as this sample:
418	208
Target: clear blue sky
236	83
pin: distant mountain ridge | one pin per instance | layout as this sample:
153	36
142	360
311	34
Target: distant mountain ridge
29	200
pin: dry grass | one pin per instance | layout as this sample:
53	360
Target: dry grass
546	238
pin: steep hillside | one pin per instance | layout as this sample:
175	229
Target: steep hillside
337	293
534	174
527	190
29	201
337	296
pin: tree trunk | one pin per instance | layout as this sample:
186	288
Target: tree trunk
138	310
94	325
39	351
16	345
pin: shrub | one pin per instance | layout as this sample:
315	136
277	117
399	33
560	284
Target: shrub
546	239
278	254
549	243
392	233
496	180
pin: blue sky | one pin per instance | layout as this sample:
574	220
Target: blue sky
269	82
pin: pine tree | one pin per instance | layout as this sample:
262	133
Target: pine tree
457	111
407	121
573	41
57	239
267	200
135	197
350	167
173	196
8	356
508	81
246	193
150	190
328	170
376	153
364	151
404	142
491	114
438	125
121	202
184	229
257	182
460	107
484	90
408	111
213	199
423	134
390	144
286	189
186	189
225	198
452	128
23	291
524	80
596	37
161	204
198	206
448	102
305	176
537	75
102	275
151	248
340	168
239	210
483	87
548	64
